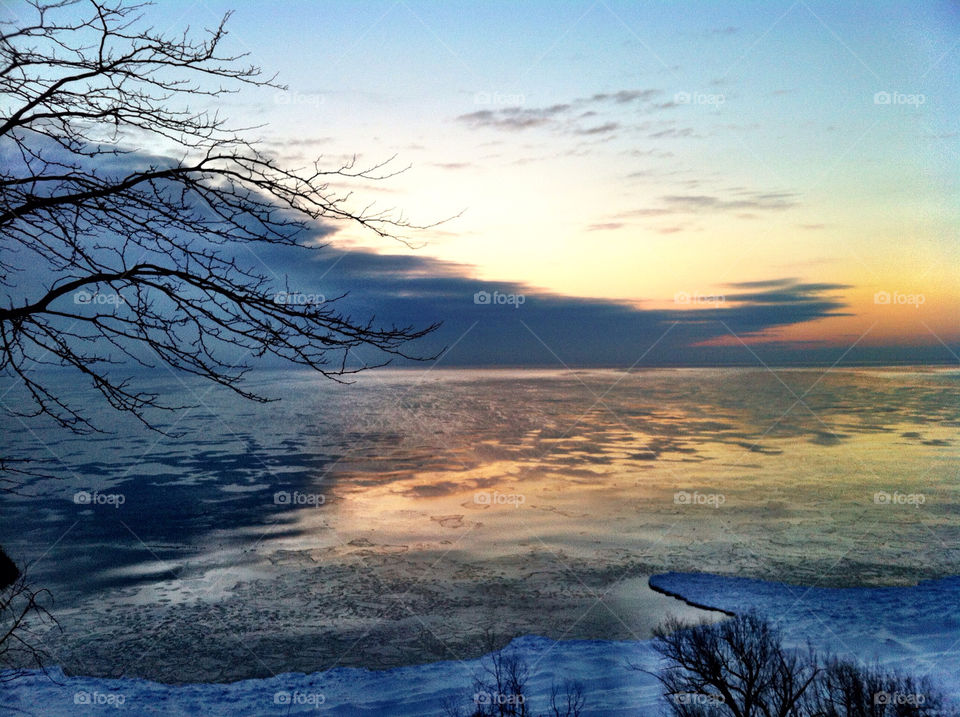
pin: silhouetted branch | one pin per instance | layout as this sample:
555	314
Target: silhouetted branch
22	610
83	215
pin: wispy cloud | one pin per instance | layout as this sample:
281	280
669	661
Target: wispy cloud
562	116
623	96
452	165
740	201
600	129
783	292
673	133
723	31
605	226
515	118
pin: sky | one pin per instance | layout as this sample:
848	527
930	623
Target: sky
773	176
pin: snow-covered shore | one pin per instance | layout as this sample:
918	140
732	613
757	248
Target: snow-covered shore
917	628
914	628
612	688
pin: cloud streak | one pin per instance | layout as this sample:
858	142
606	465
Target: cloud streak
546	328
564	116
745	200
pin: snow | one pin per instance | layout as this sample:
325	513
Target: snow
916	627
404	692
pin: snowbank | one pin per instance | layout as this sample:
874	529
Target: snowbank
915	627
613	688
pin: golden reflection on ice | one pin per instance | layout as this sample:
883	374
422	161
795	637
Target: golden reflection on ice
719	481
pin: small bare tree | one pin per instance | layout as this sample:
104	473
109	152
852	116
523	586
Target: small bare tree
740	668
501	689
846	689
737	667
169	234
567	700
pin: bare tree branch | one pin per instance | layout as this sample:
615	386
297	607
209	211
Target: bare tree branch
162	236
23	612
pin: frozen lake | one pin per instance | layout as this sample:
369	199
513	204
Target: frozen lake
391	522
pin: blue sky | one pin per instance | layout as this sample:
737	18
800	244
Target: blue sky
632	157
631	151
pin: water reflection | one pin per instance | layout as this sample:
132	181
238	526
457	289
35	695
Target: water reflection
537	485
